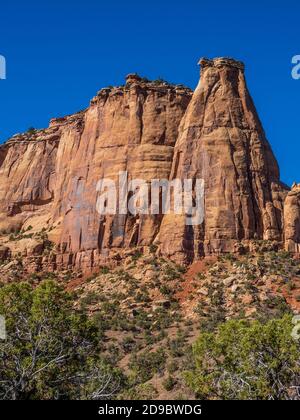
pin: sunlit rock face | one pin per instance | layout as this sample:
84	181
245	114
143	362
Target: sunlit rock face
292	220
49	177
221	140
150	130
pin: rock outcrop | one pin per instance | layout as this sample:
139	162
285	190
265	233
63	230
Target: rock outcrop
292	220
151	130
221	140
48	178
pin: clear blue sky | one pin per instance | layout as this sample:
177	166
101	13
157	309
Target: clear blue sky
60	53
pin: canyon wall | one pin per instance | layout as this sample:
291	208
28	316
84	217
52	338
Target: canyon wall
49	177
151	130
292	220
221	140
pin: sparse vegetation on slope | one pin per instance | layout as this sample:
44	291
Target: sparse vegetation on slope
145	315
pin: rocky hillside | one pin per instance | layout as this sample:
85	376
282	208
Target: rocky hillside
150	310
152	130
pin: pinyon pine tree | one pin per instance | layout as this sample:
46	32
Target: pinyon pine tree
51	351
247	360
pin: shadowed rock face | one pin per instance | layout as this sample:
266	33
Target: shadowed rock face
152	130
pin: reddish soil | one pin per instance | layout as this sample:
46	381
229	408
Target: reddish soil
188	287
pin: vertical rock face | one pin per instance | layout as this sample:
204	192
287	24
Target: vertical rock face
150	130
292	220
130	129
27	169
50	177
221	141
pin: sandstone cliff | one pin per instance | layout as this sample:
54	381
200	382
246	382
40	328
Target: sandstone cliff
151	130
48	178
221	140
292	220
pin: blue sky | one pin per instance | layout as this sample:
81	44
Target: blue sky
60	53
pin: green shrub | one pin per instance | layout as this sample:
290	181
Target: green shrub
247	360
145	365
51	351
169	383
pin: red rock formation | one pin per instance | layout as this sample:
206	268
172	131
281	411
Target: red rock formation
48	177
133	129
221	141
292	220
27	169
54	173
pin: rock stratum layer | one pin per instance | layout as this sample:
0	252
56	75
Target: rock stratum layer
152	130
